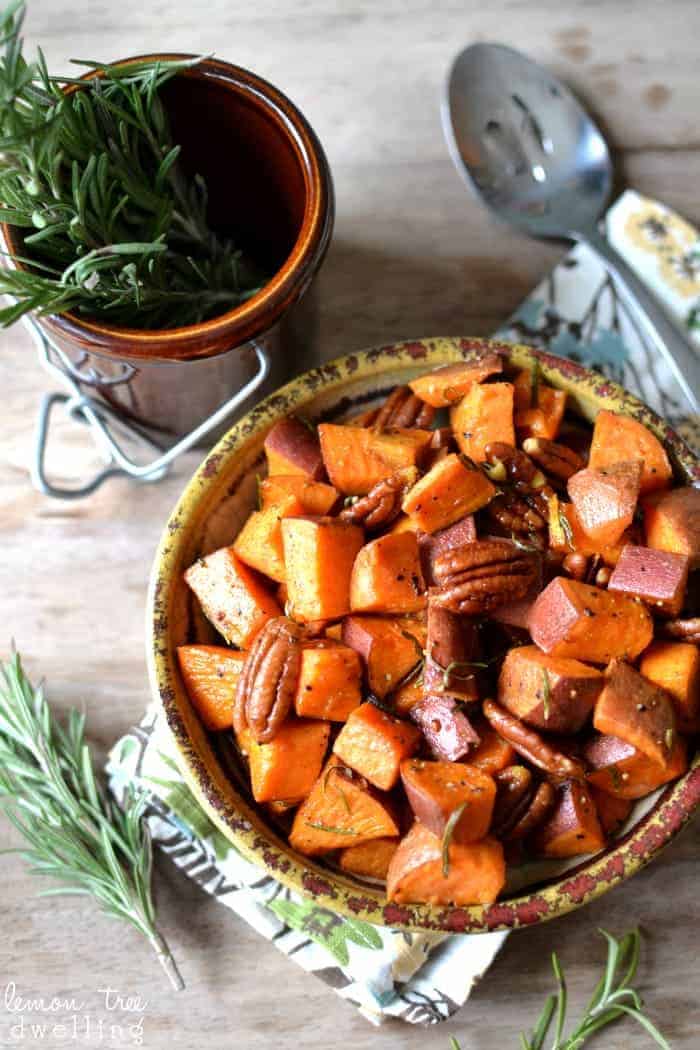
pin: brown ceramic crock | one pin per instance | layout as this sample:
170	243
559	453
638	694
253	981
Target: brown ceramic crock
270	187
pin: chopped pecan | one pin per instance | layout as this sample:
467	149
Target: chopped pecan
383	502
530	744
513	514
519	468
268	679
403	409
537	811
514	790
686	630
558	460
479	576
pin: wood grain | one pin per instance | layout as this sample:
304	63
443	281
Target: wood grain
413	254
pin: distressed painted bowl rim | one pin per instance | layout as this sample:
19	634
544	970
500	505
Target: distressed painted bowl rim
244	825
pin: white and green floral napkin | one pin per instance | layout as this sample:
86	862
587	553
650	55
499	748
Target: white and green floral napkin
426	978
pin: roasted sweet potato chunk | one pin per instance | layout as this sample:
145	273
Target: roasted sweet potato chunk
672	522
475	871
210	674
286	768
544	418
618	438
447	730
634	709
659	578
387	576
484	415
374	744
566	535
549	692
586	623
388	647
436	789
448	492
619	769
314	497
675	667
492	753
451	651
369	860
606	499
319	554
342	809
447	385
233	597
356	459
292	447
573	827
259	543
612	811
329	681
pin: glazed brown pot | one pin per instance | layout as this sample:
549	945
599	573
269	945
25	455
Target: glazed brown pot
269	187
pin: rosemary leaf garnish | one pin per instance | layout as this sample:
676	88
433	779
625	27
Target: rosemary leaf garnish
547	694
451	672
613	999
447	837
344	797
74	832
112	226
523	545
329	828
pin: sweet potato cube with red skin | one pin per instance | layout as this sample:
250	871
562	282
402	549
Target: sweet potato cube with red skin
517	614
408	694
675	667
548	692
449	384
636	710
619	769
356	458
374	744
286	768
573	827
672	522
210	674
369	860
447	730
388	649
292	447
606	499
484	415
476	871
319	554
586	623
387	576
448	492
659	578
313	497
617	438
342	809
452	647
329	681
436	789
233	597
433	544
612	811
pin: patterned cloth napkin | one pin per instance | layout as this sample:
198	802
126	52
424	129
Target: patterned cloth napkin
426	978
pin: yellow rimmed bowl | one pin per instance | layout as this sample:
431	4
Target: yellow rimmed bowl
209	514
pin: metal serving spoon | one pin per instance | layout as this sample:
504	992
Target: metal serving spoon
534	156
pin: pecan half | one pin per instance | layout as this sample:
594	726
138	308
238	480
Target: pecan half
403	409
558	460
530	744
519	468
514	790
687	630
268	679
383	502
513	514
537	811
479	576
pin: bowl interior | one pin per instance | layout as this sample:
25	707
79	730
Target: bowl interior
209	515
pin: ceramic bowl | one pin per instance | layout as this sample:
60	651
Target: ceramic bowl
209	514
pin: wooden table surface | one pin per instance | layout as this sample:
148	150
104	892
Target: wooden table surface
412	255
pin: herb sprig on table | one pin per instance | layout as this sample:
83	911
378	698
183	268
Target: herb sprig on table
113	227
73	831
613	999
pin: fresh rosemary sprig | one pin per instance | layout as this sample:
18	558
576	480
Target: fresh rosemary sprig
613	999
73	831
113	228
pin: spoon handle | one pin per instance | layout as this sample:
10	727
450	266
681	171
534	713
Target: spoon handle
659	329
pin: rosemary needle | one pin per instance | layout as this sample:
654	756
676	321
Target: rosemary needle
73	831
